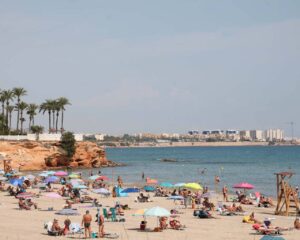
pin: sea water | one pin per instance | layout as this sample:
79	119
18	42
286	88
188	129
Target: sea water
255	165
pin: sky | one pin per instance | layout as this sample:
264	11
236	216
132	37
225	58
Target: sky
156	66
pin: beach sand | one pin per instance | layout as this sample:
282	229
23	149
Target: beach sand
18	224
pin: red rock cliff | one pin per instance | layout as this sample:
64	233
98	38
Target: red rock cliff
31	155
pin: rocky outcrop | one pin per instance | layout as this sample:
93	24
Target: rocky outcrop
30	155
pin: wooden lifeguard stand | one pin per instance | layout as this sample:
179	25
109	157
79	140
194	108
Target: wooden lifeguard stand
287	197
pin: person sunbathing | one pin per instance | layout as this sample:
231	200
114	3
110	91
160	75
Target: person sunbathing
266	201
268	228
55	227
253	219
22	204
163	223
175	224
297	224
208	205
30	203
68	204
246	201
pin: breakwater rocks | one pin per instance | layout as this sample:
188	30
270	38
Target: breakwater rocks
31	155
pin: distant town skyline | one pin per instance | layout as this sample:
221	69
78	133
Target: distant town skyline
159	66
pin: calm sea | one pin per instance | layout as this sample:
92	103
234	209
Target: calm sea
255	165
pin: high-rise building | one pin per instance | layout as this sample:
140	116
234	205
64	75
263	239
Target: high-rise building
274	134
257	135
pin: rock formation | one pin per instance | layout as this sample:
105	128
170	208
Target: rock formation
30	155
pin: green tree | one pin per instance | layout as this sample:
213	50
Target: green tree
9	110
19	92
47	107
68	144
62	103
21	107
8	95
31	111
2	100
37	130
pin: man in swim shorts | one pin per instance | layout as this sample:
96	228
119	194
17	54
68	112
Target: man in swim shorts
86	222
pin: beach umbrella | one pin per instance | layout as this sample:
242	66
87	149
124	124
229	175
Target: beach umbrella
166	185
43	175
61	174
50	172
130	190
53	195
80	186
193	186
3	178
102	191
68	212
157	212
149	189
175	198
243	185
76	181
179	184
102	178
94	177
151	181
16	181
73	176
30	177
25	195
51	179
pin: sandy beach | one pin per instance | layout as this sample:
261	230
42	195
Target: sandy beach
18	224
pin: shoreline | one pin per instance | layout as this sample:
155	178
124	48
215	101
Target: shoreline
202	144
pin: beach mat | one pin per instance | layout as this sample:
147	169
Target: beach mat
271	238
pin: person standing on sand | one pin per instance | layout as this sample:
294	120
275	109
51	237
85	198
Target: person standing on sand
86	222
217	181
100	222
143	176
225	193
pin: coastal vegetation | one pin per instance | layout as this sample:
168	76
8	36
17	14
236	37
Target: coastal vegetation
11	101
67	143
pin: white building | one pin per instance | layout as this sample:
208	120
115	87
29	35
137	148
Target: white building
257	135
245	135
274	135
99	137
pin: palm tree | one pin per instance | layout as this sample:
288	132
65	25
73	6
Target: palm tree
8	95
19	92
57	109
63	102
2	100
47	107
31	111
10	110
21	107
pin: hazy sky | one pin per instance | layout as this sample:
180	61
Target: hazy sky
159	65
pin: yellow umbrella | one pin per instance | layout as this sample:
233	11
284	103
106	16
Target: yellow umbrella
140	212
193	186
74	176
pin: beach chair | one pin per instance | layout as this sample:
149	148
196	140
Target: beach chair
76	229
105	214
113	215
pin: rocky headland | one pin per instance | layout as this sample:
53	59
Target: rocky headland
34	156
